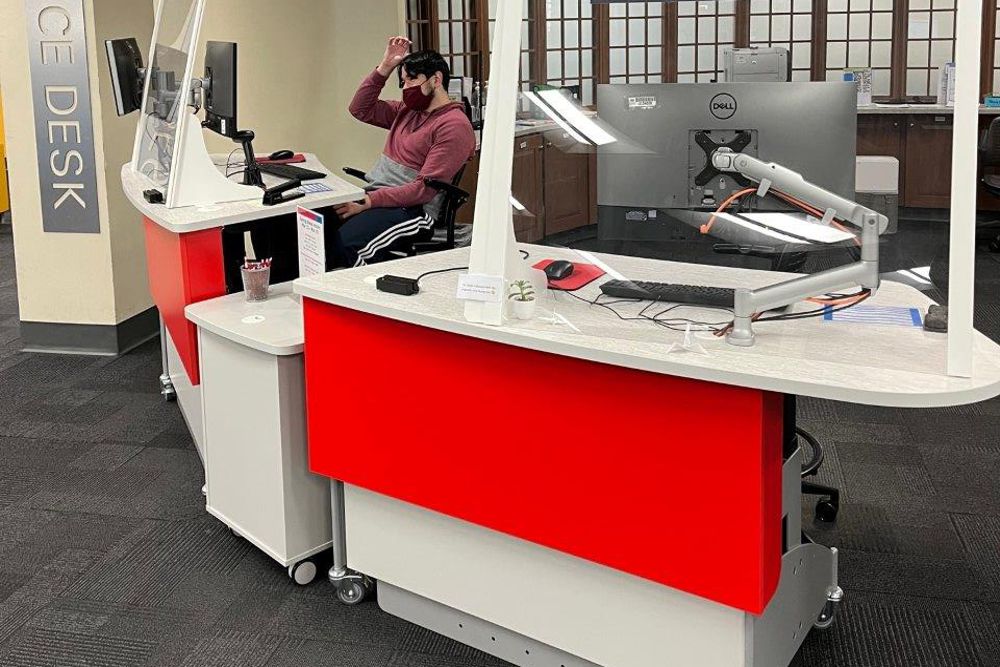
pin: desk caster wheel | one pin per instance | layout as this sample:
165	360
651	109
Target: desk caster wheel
826	510
826	617
351	591
303	572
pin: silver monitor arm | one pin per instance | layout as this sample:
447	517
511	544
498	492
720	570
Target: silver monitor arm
864	273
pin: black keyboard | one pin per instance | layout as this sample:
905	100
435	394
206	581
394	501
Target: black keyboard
699	295
291	172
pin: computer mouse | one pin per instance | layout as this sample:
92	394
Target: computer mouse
559	270
281	155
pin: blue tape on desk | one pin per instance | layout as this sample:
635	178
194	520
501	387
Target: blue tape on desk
878	315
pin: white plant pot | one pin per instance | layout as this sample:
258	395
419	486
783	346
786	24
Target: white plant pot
523	310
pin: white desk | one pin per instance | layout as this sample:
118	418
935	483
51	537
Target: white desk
435	512
196	218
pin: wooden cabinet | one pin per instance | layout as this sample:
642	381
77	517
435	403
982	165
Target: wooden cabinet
927	179
568	190
881	135
526	186
557	189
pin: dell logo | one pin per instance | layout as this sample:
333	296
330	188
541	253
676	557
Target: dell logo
723	106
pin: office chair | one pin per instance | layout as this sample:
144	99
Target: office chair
989	156
796	437
454	199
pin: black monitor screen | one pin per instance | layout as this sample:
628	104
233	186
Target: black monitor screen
220	97
125	61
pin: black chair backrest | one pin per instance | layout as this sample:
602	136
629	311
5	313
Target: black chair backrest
989	148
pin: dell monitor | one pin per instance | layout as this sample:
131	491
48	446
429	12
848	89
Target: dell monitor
127	74
810	128
220	94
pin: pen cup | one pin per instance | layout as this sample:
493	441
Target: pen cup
256	282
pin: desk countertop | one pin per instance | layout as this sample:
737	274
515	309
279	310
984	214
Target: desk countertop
857	363
273	326
197	218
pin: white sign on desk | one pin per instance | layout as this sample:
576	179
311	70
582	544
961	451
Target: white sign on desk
312	244
477	287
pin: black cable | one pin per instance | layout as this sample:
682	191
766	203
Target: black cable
814	313
432	273
816	460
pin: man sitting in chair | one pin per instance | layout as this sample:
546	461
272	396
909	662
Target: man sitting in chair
429	137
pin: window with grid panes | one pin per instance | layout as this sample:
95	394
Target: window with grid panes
569	44
859	34
635	46
704	30
786	23
527	40
419	24
996	55
930	44
458	35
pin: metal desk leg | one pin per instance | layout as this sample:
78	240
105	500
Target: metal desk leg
352	587
167	390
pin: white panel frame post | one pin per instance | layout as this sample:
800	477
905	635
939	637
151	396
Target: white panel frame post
962	278
494	250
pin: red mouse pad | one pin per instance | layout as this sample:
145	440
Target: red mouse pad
583	275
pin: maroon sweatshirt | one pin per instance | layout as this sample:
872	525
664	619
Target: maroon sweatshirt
420	145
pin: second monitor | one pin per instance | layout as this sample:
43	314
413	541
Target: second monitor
810	128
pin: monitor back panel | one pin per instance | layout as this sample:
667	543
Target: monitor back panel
808	127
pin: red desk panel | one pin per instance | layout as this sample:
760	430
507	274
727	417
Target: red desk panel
183	269
674	480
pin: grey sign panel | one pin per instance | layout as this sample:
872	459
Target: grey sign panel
64	123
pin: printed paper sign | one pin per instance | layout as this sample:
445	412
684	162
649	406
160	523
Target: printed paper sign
476	287
312	245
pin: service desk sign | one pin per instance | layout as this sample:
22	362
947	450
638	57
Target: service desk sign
64	125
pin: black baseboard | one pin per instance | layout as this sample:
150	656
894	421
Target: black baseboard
90	339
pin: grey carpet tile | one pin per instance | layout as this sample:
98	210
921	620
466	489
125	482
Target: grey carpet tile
302	652
48	582
149	570
981	537
889	529
37	647
106	457
321	617
874	630
229	648
407	659
916	576
930	428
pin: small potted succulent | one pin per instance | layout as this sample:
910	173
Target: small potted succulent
522	294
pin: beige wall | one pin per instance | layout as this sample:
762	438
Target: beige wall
300	62
70	278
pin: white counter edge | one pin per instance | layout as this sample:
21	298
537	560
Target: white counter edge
935	399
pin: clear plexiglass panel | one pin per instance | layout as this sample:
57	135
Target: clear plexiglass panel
634	190
167	90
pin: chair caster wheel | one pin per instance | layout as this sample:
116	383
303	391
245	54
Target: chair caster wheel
826	511
303	572
826	617
351	592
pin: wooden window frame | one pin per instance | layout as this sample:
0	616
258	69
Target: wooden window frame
427	32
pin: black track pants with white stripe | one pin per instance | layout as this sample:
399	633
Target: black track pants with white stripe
370	237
